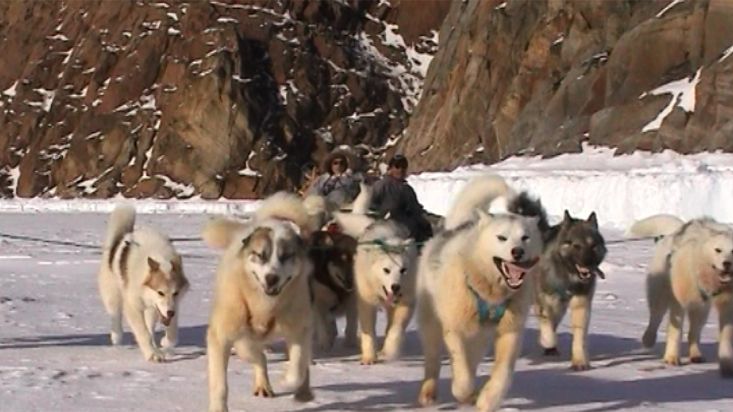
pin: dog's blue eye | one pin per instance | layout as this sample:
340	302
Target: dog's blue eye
717	250
501	238
161	293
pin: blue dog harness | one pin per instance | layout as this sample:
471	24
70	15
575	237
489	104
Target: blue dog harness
487	311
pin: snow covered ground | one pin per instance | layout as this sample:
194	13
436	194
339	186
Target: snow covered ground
54	352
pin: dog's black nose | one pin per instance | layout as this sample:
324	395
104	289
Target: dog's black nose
726	265
271	280
395	288
170	314
517	253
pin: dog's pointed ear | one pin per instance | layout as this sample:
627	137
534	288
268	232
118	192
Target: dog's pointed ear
153	264
248	234
593	220
484	217
566	218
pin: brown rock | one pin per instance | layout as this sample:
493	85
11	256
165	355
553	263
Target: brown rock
105	97
541	76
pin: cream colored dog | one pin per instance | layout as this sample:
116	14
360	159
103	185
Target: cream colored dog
262	292
473	279
141	275
385	266
692	268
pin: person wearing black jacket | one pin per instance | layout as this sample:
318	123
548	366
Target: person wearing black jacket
394	198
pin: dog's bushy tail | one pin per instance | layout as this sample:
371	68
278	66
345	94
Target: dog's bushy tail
478	193
318	210
525	205
653	226
219	232
353	224
362	202
121	222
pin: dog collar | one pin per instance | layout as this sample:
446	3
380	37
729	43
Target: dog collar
487	311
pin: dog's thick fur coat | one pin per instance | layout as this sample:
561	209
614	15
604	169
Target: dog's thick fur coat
567	273
385	266
692	269
333	285
262	292
141	275
481	264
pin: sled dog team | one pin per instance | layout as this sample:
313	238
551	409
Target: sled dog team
281	277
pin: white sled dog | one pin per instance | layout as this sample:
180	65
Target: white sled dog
261	293
475	278
141	275
692	268
385	266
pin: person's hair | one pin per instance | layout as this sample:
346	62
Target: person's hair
398	162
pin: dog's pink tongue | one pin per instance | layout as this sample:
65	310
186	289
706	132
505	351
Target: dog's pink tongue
515	272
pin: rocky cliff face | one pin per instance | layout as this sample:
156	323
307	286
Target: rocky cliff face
540	77
215	98
226	98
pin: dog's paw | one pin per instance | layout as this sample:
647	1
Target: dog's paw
697	359
579	366
551	352
304	395
388	354
487	403
672	360
428	393
468	398
368	360
156	356
649	339
218	409
264	391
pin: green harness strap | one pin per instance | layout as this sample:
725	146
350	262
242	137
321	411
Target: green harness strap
487	311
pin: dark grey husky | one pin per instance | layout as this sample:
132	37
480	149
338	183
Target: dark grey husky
567	272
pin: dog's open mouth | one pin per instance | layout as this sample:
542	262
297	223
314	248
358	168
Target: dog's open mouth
586	273
514	272
165	320
390	298
725	277
275	290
